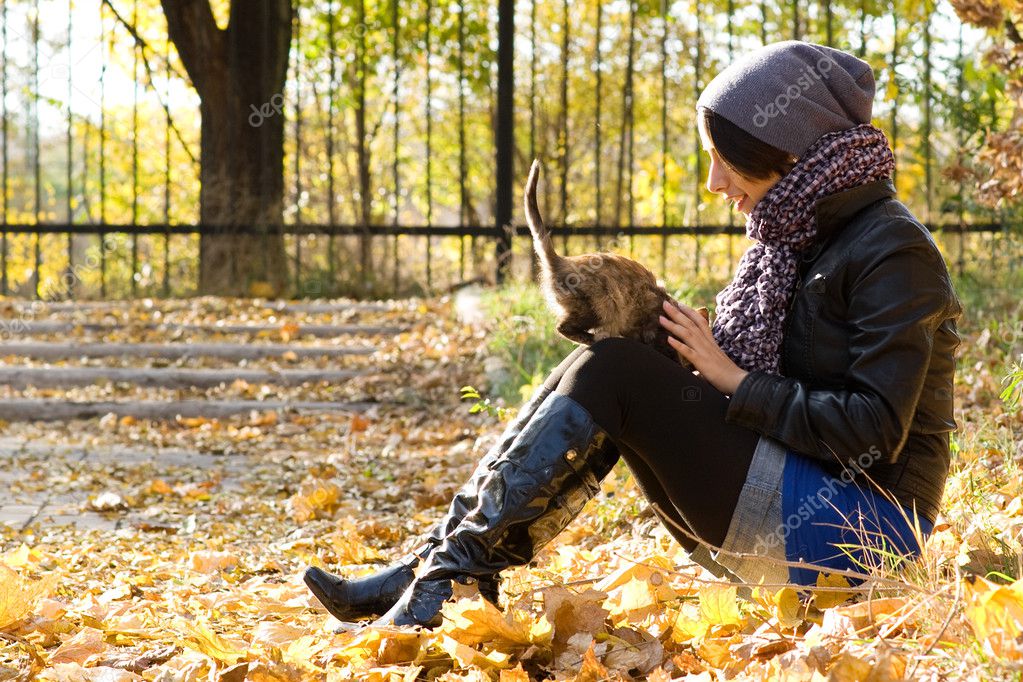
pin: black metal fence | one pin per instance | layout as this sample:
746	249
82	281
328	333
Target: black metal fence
100	145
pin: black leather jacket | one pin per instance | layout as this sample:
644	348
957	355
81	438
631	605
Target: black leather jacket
867	358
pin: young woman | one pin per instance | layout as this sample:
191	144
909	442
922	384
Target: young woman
815	428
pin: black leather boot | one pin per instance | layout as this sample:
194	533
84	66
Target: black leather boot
355	598
535	489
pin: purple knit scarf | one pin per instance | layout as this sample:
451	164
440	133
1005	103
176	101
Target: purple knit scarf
751	309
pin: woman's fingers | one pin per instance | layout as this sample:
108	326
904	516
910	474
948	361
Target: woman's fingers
694	315
673	327
683	320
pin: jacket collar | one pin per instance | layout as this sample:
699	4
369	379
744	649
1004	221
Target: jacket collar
835	210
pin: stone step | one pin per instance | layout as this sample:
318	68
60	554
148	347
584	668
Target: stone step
43	307
28	328
43	350
164	377
19	409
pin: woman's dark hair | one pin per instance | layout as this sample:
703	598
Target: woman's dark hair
746	155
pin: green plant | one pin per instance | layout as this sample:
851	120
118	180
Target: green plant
482	404
1013	391
523	334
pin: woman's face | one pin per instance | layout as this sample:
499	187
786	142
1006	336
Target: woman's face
721	179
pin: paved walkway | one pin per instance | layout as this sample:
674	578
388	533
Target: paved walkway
67	361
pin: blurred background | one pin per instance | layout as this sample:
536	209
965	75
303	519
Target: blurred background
378	148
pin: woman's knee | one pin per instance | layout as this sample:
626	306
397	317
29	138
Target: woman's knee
615	354
614	360
614	350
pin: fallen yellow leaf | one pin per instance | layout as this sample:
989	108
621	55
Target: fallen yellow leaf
475	621
85	644
18	595
826	599
199	636
718	605
995	612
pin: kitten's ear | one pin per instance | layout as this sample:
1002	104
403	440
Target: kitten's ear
706	313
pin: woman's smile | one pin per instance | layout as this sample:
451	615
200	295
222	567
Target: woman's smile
738	200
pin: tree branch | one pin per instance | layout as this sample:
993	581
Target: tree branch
200	42
1012	31
143	47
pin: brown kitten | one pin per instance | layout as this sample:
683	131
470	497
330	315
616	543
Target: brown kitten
597	295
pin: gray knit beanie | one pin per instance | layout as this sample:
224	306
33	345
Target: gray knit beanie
790	93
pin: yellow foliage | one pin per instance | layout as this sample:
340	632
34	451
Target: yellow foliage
316	499
474	621
20	557
18	595
996	614
825	599
718	606
784	605
466	656
199	636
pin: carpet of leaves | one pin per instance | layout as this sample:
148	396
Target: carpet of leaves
195	573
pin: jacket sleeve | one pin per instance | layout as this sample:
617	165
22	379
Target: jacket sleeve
895	305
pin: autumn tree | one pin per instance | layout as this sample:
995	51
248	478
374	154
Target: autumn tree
239	73
1000	163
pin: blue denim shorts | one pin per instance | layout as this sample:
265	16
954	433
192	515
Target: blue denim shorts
792	509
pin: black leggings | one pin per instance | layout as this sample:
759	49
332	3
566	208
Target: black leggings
670	427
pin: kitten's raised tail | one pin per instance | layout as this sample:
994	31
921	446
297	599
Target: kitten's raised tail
541	236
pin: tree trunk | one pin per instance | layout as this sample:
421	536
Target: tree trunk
239	73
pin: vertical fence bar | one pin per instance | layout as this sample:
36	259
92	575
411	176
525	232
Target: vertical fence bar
69	178
861	51
532	79
504	129
429	144
663	170
631	121
895	92
135	157
829	29
365	195
462	196
563	127
763	22
397	132
5	152
37	173
998	214
626	115
598	134
928	8
166	176
532	112
331	114
796	20
102	152
960	143
37	178
698	178
298	147
731	207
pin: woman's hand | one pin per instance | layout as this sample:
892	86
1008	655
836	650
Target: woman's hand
689	334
